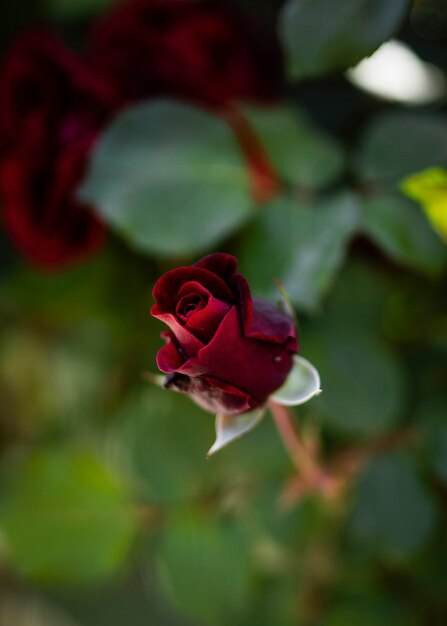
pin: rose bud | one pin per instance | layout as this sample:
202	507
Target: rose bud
229	352
51	110
198	50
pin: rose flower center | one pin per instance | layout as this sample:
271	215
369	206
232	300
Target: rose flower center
190	304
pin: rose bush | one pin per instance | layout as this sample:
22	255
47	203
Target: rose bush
229	352
51	110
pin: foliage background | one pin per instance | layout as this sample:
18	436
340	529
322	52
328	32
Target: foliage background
109	512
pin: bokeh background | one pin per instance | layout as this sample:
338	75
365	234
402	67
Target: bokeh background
135	137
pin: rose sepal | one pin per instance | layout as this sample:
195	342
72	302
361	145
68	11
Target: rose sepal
302	384
229	428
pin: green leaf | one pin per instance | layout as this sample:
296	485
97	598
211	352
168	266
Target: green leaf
301	154
66	517
319	38
205	567
368	611
438	453
162	438
362	381
400	228
430	189
400	143
169	178
356	303
301	245
434	436
393	511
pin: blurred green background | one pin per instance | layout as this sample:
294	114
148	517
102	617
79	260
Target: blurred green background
109	512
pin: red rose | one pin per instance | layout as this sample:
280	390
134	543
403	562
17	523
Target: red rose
191	49
228	351
51	109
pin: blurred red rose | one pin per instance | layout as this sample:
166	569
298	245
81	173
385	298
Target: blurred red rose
197	50
229	352
51	109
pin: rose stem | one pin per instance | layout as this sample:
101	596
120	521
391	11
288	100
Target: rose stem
296	448
313	475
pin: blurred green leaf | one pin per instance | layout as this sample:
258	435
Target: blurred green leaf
275	603
75	9
367	611
131	598
301	154
302	245
428	575
85	291
318	39
290	528
434	436
400	228
399	143
24	608
356	302
77	366
393	511
205	567
362	381
241	460
438	453
430	189
163	438
66	517
169	178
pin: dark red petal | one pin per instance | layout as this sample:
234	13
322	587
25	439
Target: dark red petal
270	323
41	77
193	287
220	263
245	300
263	320
204	322
167	287
169	358
189	343
52	228
256	367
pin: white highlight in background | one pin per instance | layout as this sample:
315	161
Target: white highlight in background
395	72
